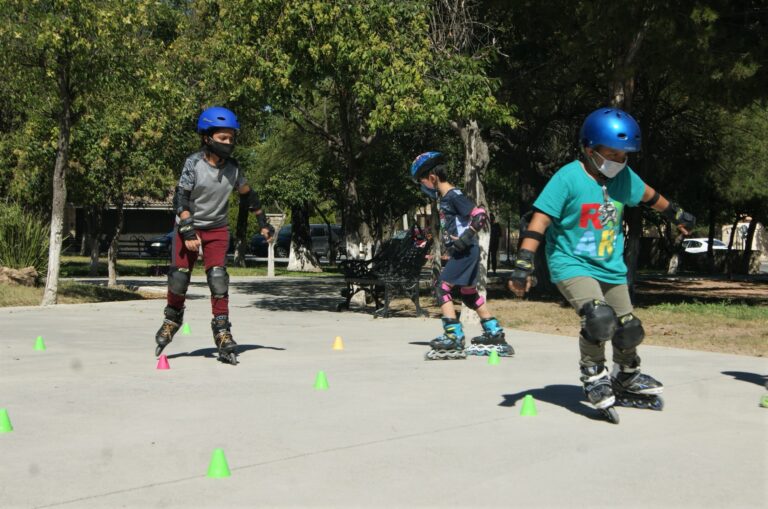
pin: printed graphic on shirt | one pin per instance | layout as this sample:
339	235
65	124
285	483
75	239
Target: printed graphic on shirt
598	239
454	212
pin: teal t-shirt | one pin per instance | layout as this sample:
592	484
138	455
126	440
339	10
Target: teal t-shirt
584	240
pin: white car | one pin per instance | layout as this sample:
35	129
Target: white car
700	245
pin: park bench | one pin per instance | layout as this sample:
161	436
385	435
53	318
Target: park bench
396	268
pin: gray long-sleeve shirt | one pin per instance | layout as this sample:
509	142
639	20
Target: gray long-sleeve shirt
210	187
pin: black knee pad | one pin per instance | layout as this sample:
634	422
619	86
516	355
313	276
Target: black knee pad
218	282
471	298
178	281
598	321
443	293
629	333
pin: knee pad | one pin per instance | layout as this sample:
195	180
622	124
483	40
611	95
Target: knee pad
629	333
443	292
471	298
218	282
598	321
178	281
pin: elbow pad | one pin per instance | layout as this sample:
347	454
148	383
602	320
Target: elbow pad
181	200
250	200
478	219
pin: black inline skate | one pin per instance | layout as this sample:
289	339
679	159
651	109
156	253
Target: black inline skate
597	387
450	345
491	339
171	325
222	336
635	389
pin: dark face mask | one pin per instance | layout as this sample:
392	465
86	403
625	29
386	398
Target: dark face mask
432	193
223	150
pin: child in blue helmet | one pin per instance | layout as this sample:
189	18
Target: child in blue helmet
460	221
201	203
580	211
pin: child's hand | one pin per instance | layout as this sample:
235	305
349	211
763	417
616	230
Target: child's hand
193	245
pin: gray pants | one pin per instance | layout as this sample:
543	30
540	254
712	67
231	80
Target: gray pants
579	291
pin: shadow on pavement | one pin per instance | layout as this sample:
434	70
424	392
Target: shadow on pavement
293	295
211	352
570	397
747	377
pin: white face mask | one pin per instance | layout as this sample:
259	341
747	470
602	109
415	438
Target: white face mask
610	168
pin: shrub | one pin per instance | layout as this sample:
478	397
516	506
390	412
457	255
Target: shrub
23	239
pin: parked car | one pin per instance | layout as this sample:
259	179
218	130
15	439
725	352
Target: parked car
282	243
321	240
700	245
159	246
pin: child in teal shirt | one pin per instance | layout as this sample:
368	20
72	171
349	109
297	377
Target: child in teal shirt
580	211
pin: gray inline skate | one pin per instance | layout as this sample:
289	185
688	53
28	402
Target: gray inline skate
635	389
597	387
222	336
171	325
491	340
449	346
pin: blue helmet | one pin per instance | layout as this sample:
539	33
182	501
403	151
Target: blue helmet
425	162
610	127
216	117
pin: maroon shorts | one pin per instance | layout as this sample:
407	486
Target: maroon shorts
215	243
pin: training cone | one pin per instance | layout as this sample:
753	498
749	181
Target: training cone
218	467
162	363
493	359
321	382
5	422
39	344
764	401
338	344
529	406
185	330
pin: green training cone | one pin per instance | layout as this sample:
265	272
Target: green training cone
39	344
321	382
529	406
185	330
5	422
218	467
493	359
764	401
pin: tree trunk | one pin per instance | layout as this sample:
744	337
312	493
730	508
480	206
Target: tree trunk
729	258
711	236
114	247
94	233
747	256
59	188
476	159
301	257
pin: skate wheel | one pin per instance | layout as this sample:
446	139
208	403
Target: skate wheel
658	404
612	415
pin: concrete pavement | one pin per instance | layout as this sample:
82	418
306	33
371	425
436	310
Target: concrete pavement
96	425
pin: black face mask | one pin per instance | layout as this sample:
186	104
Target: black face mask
223	150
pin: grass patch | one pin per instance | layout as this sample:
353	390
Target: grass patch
79	266
68	293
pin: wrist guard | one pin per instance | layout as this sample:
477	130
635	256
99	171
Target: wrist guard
464	242
679	217
186	229
523	266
